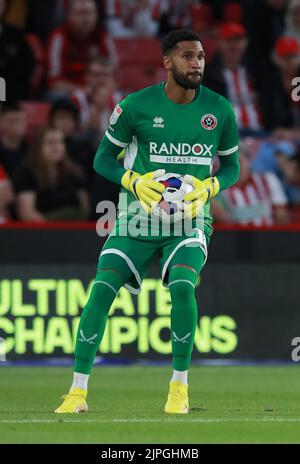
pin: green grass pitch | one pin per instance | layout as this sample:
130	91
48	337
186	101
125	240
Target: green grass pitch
228	405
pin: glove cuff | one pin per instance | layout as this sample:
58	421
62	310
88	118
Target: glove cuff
213	187
128	179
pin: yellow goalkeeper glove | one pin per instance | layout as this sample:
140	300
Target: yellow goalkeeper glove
203	191
144	188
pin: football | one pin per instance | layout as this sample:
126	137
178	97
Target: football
171	207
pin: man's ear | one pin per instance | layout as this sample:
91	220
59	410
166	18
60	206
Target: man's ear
167	63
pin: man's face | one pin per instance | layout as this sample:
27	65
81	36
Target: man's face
83	16
65	122
53	147
289	64
186	62
233	49
99	75
14	124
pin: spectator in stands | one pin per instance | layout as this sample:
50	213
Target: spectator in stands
276	97
174	14
49	186
290	167
65	117
73	45
256	199
228	75
222	9
6	196
293	20
133	18
13	147
270	158
96	103
97	100
266	158
265	22
44	16
16	60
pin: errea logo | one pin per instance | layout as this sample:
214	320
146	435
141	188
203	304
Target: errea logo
158	121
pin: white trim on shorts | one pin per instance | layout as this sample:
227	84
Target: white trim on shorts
202	243
131	266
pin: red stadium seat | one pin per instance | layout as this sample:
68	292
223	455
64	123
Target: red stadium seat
37	115
140	62
210	46
136	52
135	77
160	75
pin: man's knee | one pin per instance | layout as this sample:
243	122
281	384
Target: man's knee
108	280
105	287
182	281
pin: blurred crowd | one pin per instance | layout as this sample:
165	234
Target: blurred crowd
67	63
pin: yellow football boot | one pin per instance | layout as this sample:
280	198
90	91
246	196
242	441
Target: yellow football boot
177	402
73	402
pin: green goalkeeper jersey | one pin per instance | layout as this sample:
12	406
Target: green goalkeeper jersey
180	138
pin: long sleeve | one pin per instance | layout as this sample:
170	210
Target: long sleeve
118	136
106	163
229	170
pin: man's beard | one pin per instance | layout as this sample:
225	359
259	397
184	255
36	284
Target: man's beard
184	80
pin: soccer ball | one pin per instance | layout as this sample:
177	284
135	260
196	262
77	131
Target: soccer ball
171	207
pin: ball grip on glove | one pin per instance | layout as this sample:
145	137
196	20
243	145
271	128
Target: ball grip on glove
144	187
203	191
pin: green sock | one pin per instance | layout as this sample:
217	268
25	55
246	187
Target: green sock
94	316
184	315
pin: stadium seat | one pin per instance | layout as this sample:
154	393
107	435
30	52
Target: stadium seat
135	77
160	75
133	52
210	46
37	115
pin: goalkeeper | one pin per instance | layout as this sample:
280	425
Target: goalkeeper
176	126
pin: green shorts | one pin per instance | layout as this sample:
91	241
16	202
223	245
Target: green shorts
140	252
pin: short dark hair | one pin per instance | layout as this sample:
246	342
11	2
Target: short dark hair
64	104
171	40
